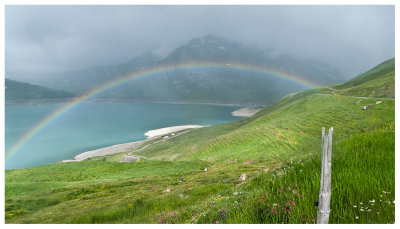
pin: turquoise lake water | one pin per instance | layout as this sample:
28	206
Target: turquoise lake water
91	126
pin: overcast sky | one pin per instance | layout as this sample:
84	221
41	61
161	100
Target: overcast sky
62	38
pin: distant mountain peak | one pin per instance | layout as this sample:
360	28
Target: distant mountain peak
162	52
212	38
146	58
211	85
208	39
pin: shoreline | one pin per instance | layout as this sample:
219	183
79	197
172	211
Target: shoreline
245	112
110	100
168	130
153	134
124	147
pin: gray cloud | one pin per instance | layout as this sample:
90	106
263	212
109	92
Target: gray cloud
61	38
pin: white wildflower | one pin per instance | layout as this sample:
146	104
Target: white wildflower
372	201
369	210
357	217
361	209
361	203
354	206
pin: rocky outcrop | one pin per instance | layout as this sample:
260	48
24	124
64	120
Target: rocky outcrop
366	107
129	159
243	177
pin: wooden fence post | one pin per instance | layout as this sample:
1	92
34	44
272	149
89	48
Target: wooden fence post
325	186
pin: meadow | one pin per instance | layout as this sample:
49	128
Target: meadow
194	178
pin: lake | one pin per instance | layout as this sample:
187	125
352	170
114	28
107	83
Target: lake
93	125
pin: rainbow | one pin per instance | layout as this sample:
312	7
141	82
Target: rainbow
149	72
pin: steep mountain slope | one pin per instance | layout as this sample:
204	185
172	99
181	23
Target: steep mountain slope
18	91
278	149
216	85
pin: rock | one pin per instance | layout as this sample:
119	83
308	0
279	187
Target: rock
378	102
205	170
167	190
262	166
165	137
243	177
183	196
366	107
235	193
129	159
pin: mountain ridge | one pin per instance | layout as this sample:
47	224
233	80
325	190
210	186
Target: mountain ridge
211	85
19	91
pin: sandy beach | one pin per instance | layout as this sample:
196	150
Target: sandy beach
120	148
245	112
171	129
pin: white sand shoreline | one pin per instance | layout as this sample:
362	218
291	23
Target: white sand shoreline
124	147
245	112
171	129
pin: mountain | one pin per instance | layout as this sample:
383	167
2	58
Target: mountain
279	149
222	85
19	91
81	81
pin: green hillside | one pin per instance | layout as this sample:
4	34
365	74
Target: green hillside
17	91
377	82
278	148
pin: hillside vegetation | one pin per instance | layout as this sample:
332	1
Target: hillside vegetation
194	178
19	91
377	82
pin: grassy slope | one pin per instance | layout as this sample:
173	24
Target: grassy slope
284	138
377	82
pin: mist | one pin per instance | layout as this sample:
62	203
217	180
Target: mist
50	39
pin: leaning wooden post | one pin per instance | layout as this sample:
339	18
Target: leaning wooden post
325	186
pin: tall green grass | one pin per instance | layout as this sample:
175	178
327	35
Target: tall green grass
359	194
